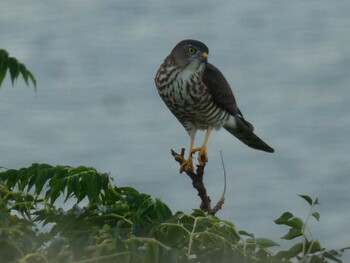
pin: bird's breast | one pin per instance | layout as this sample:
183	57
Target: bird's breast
186	90
189	99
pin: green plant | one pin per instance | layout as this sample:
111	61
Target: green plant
308	249
117	223
15	69
106	223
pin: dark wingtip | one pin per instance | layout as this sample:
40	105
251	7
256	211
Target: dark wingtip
262	146
270	150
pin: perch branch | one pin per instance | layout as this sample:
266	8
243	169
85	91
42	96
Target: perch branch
198	184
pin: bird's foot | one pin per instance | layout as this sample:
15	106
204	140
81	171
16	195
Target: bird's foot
202	155
185	164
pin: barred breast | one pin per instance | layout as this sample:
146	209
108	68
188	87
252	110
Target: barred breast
189	99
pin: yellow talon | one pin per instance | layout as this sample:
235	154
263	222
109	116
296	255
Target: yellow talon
186	164
202	155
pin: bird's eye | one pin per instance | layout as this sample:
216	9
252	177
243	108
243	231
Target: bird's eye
191	50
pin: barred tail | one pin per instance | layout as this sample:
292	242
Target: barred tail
243	131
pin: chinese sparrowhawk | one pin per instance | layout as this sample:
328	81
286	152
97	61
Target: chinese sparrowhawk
199	96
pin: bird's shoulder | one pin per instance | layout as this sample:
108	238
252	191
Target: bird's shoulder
219	88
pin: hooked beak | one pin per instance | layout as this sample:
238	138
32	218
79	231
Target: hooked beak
204	57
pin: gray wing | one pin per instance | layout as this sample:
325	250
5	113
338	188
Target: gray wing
221	91
223	96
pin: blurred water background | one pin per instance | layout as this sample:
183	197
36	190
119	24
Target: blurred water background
96	105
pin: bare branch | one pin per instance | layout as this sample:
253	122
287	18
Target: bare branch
198	184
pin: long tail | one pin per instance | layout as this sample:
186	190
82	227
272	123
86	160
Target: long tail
244	131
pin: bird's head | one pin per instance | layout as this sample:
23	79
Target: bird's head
189	52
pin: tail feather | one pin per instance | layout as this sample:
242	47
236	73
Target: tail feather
244	132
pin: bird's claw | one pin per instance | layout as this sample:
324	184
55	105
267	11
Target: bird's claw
185	164
202	155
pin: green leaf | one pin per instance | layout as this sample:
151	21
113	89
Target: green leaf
344	249
315	246
23	177
263	255
316	201
2	75
307	199
291	253
32	78
3	64
88	185
24	72
163	211
292	233
13	68
69	188
333	255
315	259
288	219
285	216
245	233
44	173
198	212
57	186
11	178
316	216
262	242
33	176
3	55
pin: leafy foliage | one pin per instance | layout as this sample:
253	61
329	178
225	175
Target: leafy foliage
106	223
15	69
308	249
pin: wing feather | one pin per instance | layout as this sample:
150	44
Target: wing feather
223	96
219	89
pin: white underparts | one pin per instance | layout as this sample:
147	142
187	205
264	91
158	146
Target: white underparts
231	122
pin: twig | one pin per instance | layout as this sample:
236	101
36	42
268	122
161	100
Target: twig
221	201
198	184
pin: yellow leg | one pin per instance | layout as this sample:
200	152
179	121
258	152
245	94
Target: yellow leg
188	163
202	151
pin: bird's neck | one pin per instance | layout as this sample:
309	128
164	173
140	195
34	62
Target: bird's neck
168	73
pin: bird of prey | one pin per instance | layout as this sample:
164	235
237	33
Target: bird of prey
199	96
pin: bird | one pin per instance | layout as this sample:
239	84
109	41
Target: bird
199	96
